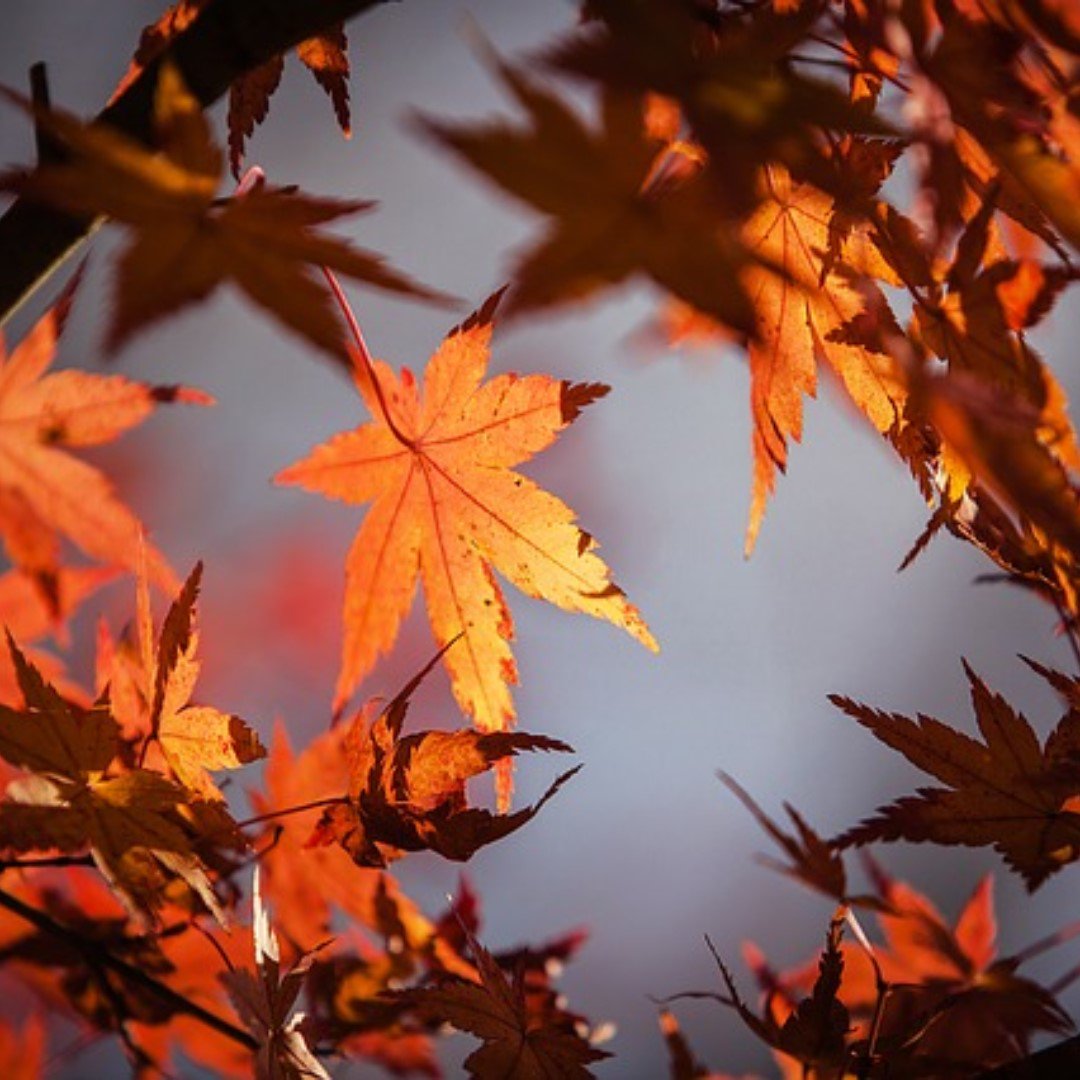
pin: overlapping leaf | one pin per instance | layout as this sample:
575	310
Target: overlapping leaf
813	1030
407	793
265	999
988	1007
612	217
727	67
515	1044
1007	791
325	56
137	824
308	884
448	509
951	1005
194	739
47	493
30	616
184	241
803	298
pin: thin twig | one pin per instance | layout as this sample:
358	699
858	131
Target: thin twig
98	956
1051	941
882	987
35	863
269	816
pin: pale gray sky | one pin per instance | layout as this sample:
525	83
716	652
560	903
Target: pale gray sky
644	847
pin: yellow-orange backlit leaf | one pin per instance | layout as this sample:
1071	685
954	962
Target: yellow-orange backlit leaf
44	490
154	690
448	509
798	306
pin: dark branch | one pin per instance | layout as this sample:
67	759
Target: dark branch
229	38
1061	1059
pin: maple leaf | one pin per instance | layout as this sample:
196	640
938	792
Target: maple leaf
1007	791
29	615
980	68
516	1045
408	793
65	971
324	55
813	861
185	242
995	442
729	71
814	1030
265	999
49	491
991	1008
133	822
613	216
194	739
976	324
307	884
951	1003
448	508
802	301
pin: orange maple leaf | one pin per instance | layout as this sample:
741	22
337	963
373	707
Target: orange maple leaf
150	688
802	302
307	884
28	615
448	508
953	1002
47	492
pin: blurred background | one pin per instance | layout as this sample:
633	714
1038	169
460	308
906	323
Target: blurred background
645	848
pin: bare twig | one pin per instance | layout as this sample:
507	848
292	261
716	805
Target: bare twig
33	863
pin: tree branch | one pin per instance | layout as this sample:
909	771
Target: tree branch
99	957
1061	1059
229	38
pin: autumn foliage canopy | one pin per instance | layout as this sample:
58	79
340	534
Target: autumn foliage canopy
884	192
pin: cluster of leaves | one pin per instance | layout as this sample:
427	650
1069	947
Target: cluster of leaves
886	191
123	784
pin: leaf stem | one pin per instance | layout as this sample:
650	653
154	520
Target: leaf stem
1051	941
1068	625
271	815
98	957
365	356
882	988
